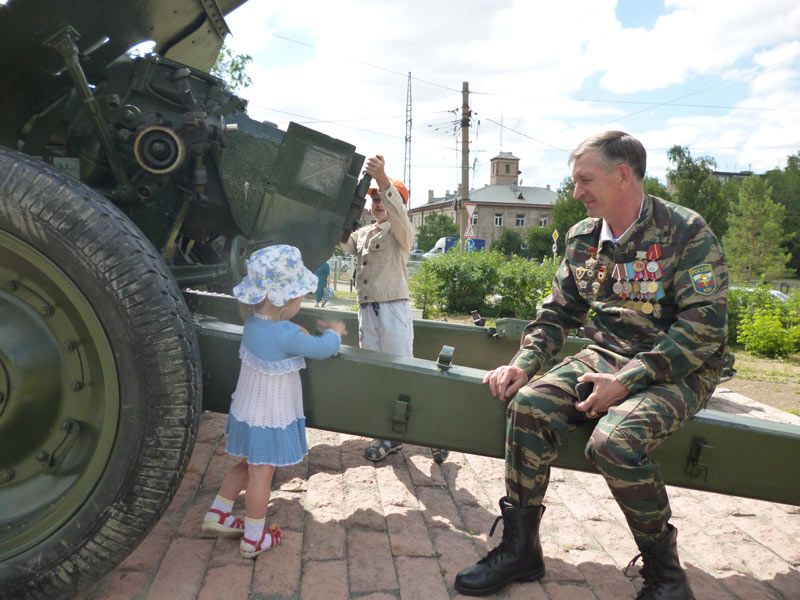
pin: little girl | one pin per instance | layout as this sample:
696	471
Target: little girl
266	424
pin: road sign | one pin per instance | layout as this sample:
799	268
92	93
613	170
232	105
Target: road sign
555	248
555	236
469	232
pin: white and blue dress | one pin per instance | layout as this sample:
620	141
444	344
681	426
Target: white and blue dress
266	423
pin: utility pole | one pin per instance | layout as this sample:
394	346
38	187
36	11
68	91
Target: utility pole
407	161
463	195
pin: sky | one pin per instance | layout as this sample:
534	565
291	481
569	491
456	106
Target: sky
719	77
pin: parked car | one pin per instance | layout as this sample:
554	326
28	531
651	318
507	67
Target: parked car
416	254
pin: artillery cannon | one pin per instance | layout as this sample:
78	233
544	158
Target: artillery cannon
121	180
123	183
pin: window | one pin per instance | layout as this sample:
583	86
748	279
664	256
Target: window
508	169
498	219
544	221
521	222
475	218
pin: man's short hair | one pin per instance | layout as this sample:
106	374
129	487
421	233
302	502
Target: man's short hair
615	148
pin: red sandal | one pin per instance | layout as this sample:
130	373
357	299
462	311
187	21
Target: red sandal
250	549
218	527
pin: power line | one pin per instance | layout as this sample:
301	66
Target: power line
362	62
527	136
671	102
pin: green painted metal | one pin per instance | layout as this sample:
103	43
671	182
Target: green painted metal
415	401
187	32
477	347
168	143
59	397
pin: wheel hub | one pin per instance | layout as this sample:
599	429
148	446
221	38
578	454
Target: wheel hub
58	397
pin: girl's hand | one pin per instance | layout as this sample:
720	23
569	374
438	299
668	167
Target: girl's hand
337	326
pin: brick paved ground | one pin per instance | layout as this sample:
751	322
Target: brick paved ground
403	528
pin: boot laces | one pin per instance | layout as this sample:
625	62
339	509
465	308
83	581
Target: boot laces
649	574
506	544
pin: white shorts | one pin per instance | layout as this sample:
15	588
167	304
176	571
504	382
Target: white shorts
390	330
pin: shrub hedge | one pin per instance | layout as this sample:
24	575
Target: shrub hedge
498	286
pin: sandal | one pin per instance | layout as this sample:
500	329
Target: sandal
380	449
439	455
250	549
218	527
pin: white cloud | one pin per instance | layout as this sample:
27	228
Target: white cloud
529	64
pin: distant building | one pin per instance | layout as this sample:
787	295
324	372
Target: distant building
501	203
726	176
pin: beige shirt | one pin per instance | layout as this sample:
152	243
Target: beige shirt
382	252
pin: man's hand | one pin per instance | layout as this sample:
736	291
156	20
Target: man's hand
375	169
505	381
607	392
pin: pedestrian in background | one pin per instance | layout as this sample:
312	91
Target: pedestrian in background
323	280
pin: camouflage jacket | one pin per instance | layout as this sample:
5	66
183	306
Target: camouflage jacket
657	299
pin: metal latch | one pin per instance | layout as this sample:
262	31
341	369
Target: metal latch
52	461
445	359
699	459
400	416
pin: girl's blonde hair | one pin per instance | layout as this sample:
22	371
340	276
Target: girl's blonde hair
266	308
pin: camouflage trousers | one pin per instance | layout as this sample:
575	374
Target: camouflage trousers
543	412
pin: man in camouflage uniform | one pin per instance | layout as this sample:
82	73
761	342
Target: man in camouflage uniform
647	280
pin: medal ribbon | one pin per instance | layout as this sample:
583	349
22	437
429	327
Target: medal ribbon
654	252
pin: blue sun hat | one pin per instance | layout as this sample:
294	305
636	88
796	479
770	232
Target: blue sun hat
276	273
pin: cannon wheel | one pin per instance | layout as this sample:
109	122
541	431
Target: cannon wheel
99	383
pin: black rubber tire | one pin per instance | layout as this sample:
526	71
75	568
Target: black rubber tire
785	287
157	362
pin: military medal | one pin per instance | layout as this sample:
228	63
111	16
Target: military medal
617	287
618	272
601	273
657	310
591	262
654	270
639	265
595	288
580	272
652	287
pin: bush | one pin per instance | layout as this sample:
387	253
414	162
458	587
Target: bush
744	302
764	333
455	283
523	285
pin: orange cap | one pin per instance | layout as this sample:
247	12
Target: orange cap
399	186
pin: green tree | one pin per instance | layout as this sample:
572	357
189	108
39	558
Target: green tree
436	225
696	187
540	241
785	186
509	242
754	238
232	69
652	186
567	210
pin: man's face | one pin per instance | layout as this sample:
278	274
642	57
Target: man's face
378	211
598	189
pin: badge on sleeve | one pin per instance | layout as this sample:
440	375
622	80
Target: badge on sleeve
703	280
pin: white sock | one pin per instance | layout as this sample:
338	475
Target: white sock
223	505
254	529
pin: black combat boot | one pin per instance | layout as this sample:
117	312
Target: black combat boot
664	579
517	558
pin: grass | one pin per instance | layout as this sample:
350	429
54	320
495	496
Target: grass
758	374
